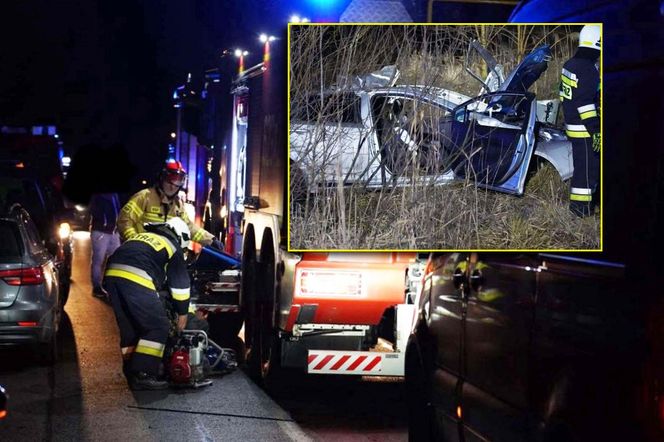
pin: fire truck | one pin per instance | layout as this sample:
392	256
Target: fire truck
323	313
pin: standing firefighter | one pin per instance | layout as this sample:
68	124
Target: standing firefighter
160	203
579	93
135	273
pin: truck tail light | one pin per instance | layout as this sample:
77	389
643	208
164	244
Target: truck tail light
29	276
329	283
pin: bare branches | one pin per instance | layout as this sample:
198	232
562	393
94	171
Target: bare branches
356	185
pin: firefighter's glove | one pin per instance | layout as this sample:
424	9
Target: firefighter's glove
182	322
597	142
216	244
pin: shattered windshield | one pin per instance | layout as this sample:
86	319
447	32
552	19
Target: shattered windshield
502	110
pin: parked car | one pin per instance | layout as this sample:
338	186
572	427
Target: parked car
512	347
78	216
45	204
377	133
30	303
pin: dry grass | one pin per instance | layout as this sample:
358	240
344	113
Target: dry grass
459	216
422	216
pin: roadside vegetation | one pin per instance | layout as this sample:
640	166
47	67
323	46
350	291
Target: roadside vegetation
425	216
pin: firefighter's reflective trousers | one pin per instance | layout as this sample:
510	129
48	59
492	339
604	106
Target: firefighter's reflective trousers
142	321
585	177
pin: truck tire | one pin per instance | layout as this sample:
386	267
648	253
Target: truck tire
249	287
264	358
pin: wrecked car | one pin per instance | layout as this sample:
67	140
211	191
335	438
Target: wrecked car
376	133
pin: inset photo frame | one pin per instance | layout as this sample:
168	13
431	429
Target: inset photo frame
444	137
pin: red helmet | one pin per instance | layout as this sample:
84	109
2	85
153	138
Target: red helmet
174	173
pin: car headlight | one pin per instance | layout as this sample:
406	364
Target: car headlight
64	231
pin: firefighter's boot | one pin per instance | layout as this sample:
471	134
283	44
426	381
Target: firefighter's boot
144	381
582	209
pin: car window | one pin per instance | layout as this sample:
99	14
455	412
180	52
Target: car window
22	191
54	201
10	242
328	109
34	239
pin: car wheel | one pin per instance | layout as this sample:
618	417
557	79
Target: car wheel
65	285
47	352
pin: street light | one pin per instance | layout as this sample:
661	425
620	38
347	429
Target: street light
297	19
240	54
264	38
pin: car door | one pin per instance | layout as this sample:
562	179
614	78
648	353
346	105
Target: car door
497	345
488	139
587	345
493	134
406	138
443	310
493	140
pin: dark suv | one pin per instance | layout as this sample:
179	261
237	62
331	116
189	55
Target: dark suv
536	347
46	207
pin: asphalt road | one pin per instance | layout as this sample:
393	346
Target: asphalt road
85	397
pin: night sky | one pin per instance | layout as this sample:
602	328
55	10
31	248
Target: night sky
104	72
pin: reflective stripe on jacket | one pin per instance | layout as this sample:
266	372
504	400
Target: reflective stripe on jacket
151	260
579	94
150	205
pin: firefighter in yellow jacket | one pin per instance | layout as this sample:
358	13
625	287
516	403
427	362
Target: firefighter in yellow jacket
579	94
159	204
138	269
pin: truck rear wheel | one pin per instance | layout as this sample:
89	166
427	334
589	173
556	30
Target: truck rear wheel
264	358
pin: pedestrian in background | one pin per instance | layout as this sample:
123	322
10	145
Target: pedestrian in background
104	209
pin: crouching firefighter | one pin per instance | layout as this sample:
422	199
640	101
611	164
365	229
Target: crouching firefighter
135	273
579	94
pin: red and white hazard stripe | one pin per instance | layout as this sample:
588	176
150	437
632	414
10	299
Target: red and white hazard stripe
340	362
212	308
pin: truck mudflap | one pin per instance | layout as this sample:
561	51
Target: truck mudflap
362	363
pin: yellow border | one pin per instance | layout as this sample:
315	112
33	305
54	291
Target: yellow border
601	157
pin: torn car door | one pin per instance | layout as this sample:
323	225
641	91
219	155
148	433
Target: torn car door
493	140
